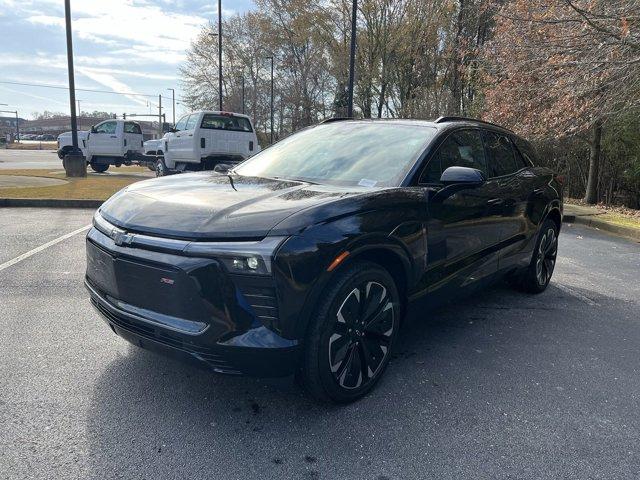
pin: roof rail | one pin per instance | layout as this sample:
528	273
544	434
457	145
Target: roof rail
466	119
335	119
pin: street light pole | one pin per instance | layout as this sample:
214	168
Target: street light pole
352	58
160	129
173	98
243	93
74	163
220	54
271	58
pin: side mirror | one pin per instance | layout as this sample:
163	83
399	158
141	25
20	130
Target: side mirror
173	130
93	129
462	176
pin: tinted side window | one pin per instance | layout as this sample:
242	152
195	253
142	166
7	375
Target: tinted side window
460	149
225	122
130	127
191	123
106	127
501	159
527	151
182	123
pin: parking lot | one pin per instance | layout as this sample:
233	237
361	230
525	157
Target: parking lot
17	159
500	385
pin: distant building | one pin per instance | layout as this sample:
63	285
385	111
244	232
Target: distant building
8	125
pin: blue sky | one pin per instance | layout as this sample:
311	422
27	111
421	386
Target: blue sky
119	45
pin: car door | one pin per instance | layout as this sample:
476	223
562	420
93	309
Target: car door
516	182
463	224
186	142
104	140
132	137
173	139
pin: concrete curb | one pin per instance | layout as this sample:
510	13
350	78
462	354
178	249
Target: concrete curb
50	203
594	222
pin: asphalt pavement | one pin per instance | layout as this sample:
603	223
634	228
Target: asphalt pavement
31	159
501	385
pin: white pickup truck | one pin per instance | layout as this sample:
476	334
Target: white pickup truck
201	140
107	143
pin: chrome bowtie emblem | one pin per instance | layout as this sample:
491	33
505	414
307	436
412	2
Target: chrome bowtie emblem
121	238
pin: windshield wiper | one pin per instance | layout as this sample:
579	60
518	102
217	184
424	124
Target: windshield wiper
303	180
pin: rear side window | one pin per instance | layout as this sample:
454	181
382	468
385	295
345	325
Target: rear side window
226	122
461	149
502	160
527	151
182	123
130	127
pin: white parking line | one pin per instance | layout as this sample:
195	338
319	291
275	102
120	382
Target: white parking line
42	247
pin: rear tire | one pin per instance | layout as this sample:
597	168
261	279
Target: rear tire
537	276
99	167
351	336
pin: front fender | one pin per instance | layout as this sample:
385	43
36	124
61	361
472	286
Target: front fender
301	265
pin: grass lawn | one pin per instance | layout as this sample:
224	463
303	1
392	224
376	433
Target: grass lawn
93	187
33	146
621	219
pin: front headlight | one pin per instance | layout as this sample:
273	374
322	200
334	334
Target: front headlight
239	257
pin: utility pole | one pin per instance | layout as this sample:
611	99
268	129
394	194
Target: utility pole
17	127
161	133
173	98
352	58
79	114
74	163
220	53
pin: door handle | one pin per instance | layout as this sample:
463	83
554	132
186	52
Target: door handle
495	201
114	136
191	134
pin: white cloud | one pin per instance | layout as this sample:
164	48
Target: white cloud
113	83
126	24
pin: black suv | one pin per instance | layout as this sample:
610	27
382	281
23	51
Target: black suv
303	258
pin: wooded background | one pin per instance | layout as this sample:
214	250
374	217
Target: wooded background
563	73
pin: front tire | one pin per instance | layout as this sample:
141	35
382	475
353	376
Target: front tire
351	337
161	168
537	276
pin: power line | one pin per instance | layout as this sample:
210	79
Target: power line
58	87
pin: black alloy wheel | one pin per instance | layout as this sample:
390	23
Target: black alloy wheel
546	256
538	275
351	339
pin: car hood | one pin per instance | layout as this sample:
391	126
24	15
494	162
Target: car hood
214	206
81	134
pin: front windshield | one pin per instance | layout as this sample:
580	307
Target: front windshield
345	153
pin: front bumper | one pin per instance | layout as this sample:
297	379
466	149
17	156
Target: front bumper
189	308
234	359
